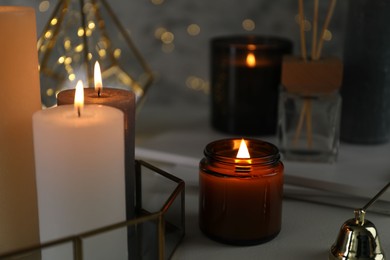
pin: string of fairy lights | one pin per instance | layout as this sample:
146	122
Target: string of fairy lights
166	38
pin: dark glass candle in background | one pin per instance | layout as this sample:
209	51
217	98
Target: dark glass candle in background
245	78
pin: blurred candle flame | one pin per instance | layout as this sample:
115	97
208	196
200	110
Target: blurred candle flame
98	79
251	60
79	97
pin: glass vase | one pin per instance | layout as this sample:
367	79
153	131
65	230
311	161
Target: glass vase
309	126
309	109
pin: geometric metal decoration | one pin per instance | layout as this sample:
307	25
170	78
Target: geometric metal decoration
160	224
79	33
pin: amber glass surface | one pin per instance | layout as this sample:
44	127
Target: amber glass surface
240	199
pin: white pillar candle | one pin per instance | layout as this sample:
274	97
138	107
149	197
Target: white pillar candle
19	99
125	101
79	169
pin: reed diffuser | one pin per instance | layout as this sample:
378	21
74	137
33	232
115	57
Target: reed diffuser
310	104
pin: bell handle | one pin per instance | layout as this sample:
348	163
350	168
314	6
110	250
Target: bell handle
375	198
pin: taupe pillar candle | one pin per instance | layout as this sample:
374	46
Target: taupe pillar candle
125	101
19	99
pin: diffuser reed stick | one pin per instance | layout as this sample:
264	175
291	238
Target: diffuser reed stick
329	15
316	50
315	28
302	29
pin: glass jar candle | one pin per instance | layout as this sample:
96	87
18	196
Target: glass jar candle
245	79
241	196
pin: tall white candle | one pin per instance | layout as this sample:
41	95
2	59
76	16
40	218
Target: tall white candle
125	101
80	170
19	99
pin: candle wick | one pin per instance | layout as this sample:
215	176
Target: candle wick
99	92
78	111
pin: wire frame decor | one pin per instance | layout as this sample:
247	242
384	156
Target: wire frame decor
157	230
79	33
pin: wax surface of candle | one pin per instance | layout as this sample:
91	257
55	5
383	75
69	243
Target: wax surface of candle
19	99
80	169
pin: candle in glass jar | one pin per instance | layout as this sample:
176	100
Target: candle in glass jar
245	79
241	195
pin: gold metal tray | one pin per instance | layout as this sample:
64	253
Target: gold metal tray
154	234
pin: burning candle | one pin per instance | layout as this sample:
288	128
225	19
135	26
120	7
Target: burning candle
245	79
241	189
125	101
79	158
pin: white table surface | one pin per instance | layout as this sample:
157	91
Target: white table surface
318	197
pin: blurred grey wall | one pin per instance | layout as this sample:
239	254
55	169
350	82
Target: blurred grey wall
173	35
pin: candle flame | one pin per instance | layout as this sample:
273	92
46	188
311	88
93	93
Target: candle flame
79	97
98	78
251	60
243	152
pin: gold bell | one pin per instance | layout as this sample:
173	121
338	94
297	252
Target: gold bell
358	237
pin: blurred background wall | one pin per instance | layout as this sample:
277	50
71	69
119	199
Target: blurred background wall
174	35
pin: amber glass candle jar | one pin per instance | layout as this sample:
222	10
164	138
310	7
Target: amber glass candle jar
240	199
